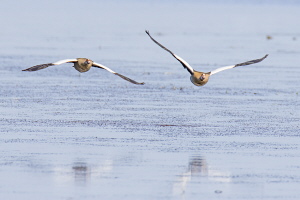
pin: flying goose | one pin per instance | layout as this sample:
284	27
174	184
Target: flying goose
201	78
81	65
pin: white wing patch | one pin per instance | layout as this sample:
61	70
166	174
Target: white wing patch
64	61
221	69
103	67
189	68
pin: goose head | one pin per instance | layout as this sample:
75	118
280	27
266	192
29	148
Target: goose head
199	78
88	61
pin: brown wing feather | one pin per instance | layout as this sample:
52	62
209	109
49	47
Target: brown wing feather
128	79
251	61
120	75
38	67
183	63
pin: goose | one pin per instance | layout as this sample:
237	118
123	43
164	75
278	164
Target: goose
81	65
201	78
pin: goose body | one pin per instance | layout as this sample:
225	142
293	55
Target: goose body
201	78
81	65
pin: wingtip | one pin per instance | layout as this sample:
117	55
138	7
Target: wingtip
128	79
137	83
264	57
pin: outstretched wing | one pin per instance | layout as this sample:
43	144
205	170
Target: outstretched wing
43	66
183	62
240	64
120	75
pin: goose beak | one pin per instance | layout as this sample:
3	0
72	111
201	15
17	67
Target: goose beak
202	77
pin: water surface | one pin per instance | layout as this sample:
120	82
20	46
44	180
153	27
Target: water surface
66	135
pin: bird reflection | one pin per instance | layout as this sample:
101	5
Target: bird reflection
82	172
198	165
198	168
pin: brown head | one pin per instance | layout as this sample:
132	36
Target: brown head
84	61
199	78
83	64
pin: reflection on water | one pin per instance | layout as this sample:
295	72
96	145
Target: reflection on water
81	172
199	171
198	165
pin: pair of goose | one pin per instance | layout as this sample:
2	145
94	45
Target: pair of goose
197	78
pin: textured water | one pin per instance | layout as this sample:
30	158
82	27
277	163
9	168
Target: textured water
66	135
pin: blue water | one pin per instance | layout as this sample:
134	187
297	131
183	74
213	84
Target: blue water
66	135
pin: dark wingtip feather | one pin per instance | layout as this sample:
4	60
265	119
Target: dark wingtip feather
252	61
128	79
38	67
